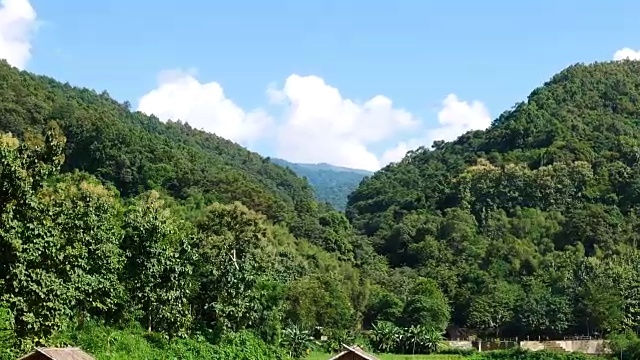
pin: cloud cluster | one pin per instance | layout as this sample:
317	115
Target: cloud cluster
17	26
626	53
180	96
455	117
318	123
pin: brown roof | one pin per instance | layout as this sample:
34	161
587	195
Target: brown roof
61	354
354	349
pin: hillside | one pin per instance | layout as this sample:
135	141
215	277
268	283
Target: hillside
532	225
129	236
111	219
135	152
331	184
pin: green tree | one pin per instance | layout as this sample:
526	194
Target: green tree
233	260
494	307
426	306
159	265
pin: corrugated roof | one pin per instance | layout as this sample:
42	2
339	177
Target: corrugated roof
61	354
356	350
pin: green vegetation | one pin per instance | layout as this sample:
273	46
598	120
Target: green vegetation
324	356
529	227
331	184
138	239
111	216
494	355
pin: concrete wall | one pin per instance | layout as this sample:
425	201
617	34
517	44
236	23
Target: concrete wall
482	345
496	345
593	347
461	344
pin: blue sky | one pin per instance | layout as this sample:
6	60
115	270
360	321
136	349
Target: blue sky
483	56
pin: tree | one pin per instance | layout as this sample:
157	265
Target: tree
37	298
319	300
544	309
159	265
426	306
495	307
600	296
233	260
383	306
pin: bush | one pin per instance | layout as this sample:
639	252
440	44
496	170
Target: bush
519	354
457	351
625	346
134	343
246	346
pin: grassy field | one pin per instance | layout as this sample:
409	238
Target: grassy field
321	356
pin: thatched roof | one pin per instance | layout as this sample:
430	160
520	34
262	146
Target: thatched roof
60	354
356	350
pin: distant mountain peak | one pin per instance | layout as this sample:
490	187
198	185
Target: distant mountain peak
331	183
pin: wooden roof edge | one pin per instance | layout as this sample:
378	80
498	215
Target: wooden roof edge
355	349
43	351
340	354
34	351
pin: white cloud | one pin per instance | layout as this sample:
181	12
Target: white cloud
626	53
456	117
318	124
322	126
17	25
180	96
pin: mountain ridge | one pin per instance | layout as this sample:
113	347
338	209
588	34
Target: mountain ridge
332	184
522	222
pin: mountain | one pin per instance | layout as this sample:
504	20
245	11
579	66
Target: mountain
525	225
332	184
119	229
136	152
109	216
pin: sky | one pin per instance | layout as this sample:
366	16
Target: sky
348	82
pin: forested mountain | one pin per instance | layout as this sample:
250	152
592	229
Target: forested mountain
135	152
531	226
111	215
113	223
331	184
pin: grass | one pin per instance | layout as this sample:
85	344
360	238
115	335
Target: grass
323	356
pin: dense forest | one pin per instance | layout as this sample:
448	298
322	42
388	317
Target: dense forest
331	184
532	226
114	223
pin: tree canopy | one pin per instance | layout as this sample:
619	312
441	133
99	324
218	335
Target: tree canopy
520	223
112	217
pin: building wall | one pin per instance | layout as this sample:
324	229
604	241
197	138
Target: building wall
461	345
594	347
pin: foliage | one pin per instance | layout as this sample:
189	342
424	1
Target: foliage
159	266
417	339
625	346
527	228
531	355
7	335
108	343
538	213
233	262
297	342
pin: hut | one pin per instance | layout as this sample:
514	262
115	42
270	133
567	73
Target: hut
57	354
353	353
